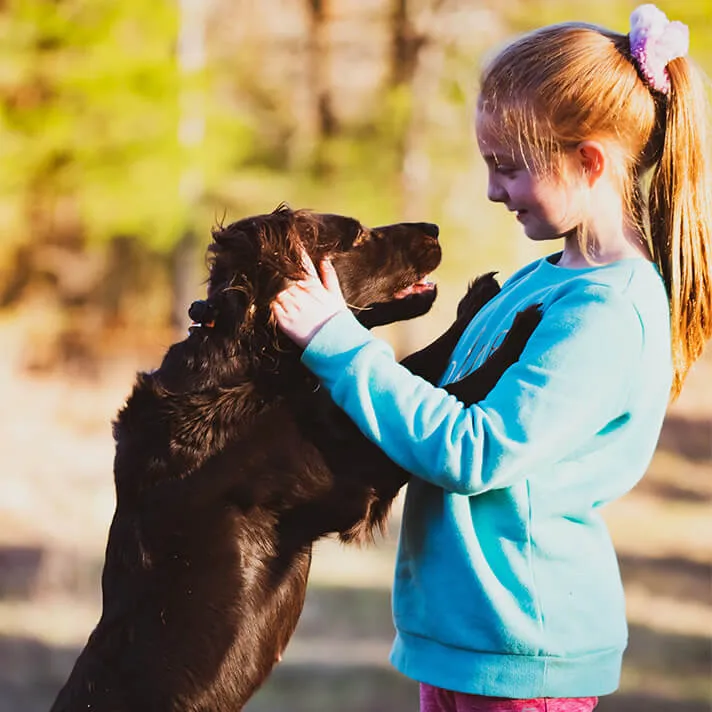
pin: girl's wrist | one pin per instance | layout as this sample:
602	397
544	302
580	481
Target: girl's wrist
304	338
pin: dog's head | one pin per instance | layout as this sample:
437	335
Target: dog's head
253	259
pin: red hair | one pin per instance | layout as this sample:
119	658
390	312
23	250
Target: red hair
563	84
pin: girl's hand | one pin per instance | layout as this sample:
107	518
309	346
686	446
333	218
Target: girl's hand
305	306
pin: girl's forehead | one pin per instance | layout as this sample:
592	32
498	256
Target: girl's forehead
493	142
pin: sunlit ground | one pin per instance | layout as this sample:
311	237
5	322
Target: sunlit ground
56	500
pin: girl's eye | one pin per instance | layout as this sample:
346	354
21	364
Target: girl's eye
505	170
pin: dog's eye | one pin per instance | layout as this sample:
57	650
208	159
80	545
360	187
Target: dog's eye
364	236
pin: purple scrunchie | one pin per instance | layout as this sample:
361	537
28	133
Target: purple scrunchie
655	41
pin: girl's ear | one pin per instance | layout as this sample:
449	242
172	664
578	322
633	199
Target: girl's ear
591	156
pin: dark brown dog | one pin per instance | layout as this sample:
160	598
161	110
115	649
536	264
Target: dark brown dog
230	462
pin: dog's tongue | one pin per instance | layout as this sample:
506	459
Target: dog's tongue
422	285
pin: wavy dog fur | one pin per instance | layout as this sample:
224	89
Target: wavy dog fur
230	462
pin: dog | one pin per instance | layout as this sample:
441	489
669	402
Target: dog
231	462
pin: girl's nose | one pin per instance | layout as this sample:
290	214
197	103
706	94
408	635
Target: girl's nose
495	192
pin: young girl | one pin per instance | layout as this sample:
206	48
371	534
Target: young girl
507	591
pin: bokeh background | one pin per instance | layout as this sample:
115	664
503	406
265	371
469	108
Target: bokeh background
127	129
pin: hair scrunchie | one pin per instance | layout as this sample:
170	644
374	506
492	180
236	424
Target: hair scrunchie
655	41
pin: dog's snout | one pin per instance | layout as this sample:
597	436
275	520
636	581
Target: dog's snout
430	229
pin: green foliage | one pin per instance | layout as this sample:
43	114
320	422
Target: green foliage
92	97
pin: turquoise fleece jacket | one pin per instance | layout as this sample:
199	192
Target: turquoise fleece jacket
506	580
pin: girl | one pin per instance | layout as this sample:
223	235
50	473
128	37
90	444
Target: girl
507	591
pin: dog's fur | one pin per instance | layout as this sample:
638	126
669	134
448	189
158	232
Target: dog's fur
230	462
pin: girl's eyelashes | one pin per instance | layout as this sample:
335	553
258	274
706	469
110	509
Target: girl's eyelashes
501	165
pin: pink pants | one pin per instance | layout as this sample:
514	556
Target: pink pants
435	699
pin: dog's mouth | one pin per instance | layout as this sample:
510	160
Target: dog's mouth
422	286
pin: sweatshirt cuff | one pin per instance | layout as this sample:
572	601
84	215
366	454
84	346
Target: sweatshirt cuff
340	335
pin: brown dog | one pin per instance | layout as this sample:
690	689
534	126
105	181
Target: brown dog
230	462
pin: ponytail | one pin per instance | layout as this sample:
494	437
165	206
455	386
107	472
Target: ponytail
563	84
680	214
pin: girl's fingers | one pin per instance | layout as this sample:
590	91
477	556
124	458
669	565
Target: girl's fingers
289	299
308	264
329	277
306	285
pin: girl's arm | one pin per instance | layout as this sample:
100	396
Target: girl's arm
569	383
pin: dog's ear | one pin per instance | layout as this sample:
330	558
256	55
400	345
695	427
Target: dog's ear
235	251
233	259
337	233
250	261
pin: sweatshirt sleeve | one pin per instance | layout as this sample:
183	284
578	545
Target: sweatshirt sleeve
569	383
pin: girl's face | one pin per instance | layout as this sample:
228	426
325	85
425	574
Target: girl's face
547	205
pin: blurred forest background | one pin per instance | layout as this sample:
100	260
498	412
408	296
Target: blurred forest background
129	128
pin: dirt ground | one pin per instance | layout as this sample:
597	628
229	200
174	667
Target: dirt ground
56	500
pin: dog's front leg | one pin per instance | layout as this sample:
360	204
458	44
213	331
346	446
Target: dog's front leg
430	362
475	386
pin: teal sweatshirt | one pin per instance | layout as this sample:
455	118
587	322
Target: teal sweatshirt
506	581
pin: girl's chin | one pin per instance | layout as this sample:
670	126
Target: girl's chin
541	233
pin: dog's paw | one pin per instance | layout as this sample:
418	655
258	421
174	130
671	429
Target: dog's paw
522	328
526	321
478	294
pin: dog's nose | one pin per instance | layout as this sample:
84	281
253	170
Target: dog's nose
430	229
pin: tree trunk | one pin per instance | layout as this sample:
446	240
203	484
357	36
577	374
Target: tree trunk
317	86
186	278
416	62
191	132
